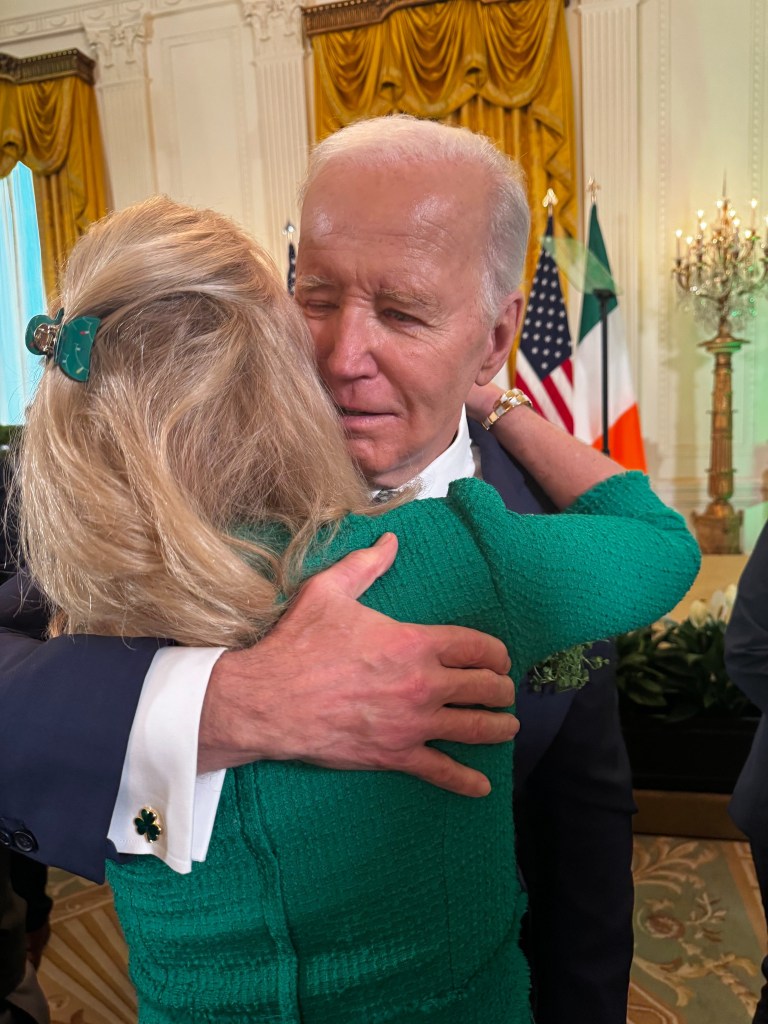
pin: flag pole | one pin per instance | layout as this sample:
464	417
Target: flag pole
603	296
289	230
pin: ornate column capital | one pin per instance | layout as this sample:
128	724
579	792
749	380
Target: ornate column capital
267	16
117	36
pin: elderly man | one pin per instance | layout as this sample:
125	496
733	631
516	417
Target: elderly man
412	245
408	274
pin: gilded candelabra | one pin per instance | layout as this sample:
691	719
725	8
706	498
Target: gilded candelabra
719	272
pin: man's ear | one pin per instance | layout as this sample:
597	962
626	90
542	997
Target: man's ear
502	336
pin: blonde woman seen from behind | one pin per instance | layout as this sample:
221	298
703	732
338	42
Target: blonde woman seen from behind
195	474
185	427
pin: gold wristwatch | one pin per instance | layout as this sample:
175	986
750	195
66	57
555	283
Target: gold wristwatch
509	400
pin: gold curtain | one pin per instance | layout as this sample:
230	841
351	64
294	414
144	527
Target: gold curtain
499	68
52	126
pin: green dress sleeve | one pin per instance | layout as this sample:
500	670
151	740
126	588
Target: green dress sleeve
616	559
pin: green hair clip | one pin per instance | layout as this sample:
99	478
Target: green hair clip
69	345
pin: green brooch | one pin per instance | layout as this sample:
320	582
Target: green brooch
69	345
148	824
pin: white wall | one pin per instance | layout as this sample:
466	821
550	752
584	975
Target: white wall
674	93
205	100
200	99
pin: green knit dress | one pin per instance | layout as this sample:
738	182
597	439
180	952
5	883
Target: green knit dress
332	897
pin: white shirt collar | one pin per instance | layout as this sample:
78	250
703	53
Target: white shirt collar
455	463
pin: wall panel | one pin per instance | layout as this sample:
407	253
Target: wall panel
202	96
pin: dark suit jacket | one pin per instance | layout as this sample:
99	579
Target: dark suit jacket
13	951
67	706
746	658
66	709
540	714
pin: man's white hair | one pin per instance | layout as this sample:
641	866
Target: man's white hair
398	139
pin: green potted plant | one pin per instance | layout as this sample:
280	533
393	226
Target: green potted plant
687	726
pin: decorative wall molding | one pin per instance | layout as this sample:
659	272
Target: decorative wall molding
96	13
47	65
265	16
757	111
118	47
117	35
609	62
281	101
665	399
40	26
148	118
70	20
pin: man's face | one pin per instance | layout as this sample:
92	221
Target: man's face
388	276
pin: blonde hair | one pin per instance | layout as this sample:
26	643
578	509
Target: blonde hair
399	139
203	410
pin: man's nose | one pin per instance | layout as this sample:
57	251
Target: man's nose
345	346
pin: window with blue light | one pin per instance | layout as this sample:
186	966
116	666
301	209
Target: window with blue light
22	293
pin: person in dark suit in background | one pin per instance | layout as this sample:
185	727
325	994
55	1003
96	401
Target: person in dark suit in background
746	658
21	998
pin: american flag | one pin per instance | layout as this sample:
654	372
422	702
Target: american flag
543	368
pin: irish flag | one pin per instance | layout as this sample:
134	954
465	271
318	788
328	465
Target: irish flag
624	438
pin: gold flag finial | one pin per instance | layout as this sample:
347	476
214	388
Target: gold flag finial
550	200
593	188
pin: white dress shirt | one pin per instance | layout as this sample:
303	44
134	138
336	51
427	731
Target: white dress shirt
160	768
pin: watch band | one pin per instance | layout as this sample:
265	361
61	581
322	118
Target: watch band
509	400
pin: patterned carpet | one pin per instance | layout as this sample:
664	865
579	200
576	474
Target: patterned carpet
699	932
84	971
698	925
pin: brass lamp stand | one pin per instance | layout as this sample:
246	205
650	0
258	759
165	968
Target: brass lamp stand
718	528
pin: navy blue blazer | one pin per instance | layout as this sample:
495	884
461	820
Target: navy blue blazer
746	658
541	714
67	706
66	709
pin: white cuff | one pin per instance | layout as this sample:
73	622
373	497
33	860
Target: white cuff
160	769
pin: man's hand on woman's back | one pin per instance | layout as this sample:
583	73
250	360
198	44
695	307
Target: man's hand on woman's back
339	685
